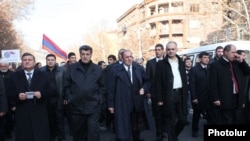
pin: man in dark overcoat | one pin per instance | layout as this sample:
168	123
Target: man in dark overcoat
5	73
150	72
28	89
171	90
226	87
198	81
126	98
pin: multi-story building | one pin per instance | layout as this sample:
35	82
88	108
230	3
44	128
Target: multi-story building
158	21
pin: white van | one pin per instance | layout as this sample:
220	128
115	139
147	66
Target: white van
193	53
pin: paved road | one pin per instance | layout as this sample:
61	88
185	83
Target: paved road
149	136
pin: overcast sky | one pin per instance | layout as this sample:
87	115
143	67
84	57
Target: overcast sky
66	21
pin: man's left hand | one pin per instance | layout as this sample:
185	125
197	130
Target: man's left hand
37	94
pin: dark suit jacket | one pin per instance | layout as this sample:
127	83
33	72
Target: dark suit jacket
59	84
198	82
150	72
221	84
31	119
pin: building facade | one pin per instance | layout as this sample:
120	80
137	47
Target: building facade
158	21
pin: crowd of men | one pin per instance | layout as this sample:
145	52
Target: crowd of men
39	103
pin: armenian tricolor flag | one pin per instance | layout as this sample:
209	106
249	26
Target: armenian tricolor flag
52	48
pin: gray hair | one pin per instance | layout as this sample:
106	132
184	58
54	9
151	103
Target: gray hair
3	61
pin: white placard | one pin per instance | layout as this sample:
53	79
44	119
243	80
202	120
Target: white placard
11	55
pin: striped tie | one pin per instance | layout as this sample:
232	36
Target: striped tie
29	78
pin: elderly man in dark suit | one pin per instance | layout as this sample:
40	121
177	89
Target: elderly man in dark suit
227	89
150	71
126	98
5	73
171	90
28	89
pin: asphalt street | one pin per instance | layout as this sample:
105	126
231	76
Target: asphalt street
186	135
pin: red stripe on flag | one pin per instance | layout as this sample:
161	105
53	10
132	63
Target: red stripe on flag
52	48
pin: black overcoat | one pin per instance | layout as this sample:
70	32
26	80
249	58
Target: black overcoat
31	119
164	85
120	97
221	84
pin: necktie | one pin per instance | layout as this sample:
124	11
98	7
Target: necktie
29	78
129	73
236	88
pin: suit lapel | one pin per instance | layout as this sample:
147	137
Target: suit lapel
153	65
124	75
154	62
23	78
34	78
137	73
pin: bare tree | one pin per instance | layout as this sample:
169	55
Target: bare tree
10	11
103	41
236	16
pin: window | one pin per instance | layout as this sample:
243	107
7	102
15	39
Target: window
177	7
215	6
194	8
152	10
